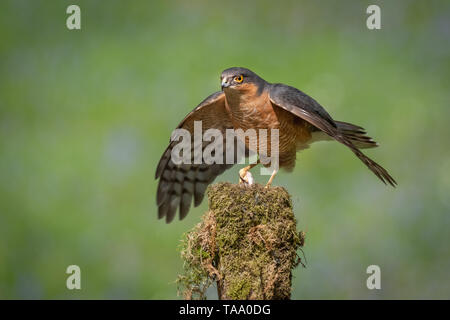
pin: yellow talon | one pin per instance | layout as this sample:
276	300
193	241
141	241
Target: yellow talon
269	183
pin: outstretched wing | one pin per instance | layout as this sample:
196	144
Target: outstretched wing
305	107
178	184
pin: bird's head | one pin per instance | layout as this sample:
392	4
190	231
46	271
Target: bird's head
241	80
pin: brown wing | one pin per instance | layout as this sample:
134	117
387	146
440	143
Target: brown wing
179	183
305	107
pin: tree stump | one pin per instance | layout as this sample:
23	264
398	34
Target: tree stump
246	244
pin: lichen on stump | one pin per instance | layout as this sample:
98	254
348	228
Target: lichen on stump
247	243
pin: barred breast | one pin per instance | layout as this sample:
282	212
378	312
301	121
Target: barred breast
259	113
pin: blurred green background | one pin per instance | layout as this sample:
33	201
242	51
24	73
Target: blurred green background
85	116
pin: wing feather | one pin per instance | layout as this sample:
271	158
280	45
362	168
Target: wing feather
305	107
178	184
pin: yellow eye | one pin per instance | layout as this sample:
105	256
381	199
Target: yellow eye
239	79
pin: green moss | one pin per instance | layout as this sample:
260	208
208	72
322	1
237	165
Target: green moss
247	242
239	289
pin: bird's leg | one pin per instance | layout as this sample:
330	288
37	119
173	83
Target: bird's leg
275	171
245	177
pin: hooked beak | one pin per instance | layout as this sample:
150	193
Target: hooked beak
225	83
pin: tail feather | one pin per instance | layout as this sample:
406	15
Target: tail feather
356	134
355	138
378	170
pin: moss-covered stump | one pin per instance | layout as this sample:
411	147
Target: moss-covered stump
247	243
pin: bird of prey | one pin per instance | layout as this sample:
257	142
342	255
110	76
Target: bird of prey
247	101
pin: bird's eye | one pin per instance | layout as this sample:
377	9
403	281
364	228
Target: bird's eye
239	79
